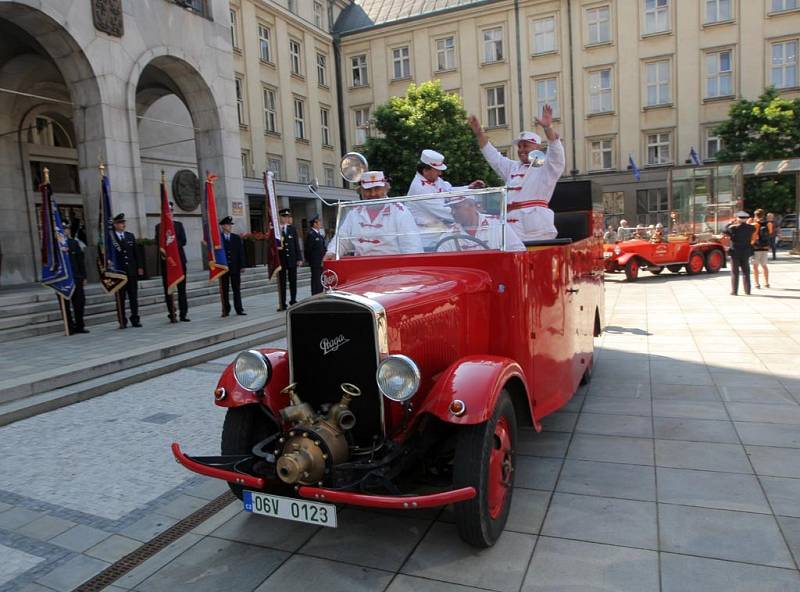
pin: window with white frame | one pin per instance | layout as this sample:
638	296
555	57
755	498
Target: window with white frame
784	64
330	175
544	35
358	68
322	69
546	90
325	126
275	164
657	82
719	74
318	14
445	53
600	92
303	171
295	59
781	5
718	11
652	206
401	63
299	119
264	43
602	154
493	45
234	31
361	118
240	110
270	111
712	143
496	106
598	25
246	164
656	16
659	148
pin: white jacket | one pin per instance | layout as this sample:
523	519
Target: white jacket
392	232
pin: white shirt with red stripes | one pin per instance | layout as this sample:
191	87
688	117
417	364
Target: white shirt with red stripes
383	229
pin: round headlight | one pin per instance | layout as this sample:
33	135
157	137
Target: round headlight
398	378
617	250
252	370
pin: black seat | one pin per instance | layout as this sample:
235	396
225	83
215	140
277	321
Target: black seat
543	243
572	225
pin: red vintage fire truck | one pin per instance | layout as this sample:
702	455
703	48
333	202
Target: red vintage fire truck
404	384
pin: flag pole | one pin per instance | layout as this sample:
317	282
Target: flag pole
117	298
171	305
59	297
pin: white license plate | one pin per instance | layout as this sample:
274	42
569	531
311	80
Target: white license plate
290	508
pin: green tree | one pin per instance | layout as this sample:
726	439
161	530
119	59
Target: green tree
765	129
426	117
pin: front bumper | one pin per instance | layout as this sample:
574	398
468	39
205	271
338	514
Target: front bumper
212	467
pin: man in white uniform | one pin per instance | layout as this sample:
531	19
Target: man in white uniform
383	229
529	188
483	227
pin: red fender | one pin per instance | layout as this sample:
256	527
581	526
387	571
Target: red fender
236	396
625	257
477	381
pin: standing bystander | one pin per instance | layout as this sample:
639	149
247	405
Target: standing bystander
773	237
76	304
314	251
741	235
761	244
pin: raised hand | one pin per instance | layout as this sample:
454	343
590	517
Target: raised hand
546	120
475	124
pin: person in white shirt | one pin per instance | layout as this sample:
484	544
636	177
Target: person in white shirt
487	231
529	188
382	229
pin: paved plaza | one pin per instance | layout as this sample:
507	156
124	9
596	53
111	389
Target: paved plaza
677	469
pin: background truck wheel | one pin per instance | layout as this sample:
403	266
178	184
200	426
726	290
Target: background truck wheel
632	269
485	460
244	427
714	259
696	263
655	270
674	268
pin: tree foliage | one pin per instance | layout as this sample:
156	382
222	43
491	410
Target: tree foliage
765	129
426	117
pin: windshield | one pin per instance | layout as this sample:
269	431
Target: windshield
468	220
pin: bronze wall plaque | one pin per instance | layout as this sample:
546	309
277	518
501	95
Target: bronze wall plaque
107	16
186	190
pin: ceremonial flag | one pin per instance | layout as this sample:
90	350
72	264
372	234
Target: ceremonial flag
56	268
217	261
273	238
637	174
109	251
694	157
168	244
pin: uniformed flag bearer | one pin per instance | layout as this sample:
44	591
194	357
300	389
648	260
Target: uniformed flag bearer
132	266
290	256
234	251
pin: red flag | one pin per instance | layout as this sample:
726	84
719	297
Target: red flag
217	262
273	240
168	243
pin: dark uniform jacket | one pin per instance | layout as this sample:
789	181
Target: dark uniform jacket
77	259
131	261
290	254
234	251
314	248
180	235
741	237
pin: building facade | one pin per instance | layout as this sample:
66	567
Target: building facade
640	79
288	104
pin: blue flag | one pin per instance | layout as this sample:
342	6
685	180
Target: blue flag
695	158
109	251
56	268
637	174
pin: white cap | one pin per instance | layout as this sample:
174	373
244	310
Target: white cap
742	214
457	199
372	179
433	159
528	137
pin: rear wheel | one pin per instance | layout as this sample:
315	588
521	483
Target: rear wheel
674	268
485	460
696	263
632	269
244	427
714	260
655	270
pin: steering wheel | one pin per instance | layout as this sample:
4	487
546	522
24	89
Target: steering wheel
457	237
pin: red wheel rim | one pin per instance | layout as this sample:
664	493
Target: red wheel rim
696	262
634	268
714	260
500	468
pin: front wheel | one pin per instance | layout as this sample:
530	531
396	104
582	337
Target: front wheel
695	264
485	460
674	268
244	427
632	269
714	260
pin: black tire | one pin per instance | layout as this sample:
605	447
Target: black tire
587	375
632	269
696	263
675	268
244	427
714	260
655	270
471	468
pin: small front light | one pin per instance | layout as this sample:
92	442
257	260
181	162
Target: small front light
398	378
617	251
252	370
